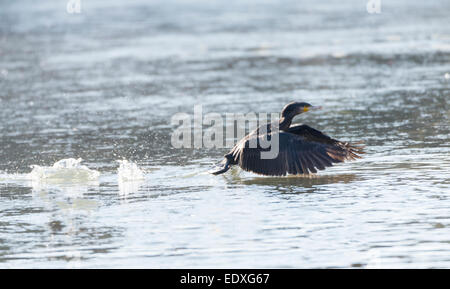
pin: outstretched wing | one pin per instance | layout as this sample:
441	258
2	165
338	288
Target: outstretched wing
313	135
297	154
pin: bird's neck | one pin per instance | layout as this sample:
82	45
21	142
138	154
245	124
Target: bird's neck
285	122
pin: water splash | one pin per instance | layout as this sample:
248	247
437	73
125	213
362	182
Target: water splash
129	171
65	170
130	177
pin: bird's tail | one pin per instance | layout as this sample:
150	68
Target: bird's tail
222	167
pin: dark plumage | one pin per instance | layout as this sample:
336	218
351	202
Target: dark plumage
302	149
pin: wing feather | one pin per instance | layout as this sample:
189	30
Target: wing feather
302	150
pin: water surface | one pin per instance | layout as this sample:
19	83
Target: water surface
102	85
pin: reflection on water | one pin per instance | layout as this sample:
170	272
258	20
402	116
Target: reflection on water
51	227
128	187
67	196
289	184
85	86
307	181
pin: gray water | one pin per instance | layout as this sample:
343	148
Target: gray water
102	85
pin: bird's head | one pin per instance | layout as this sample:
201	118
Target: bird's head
294	108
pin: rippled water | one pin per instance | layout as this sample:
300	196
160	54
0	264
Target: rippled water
102	85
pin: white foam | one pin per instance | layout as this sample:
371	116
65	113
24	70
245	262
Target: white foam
65	170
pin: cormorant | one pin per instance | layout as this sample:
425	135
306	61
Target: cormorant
302	149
